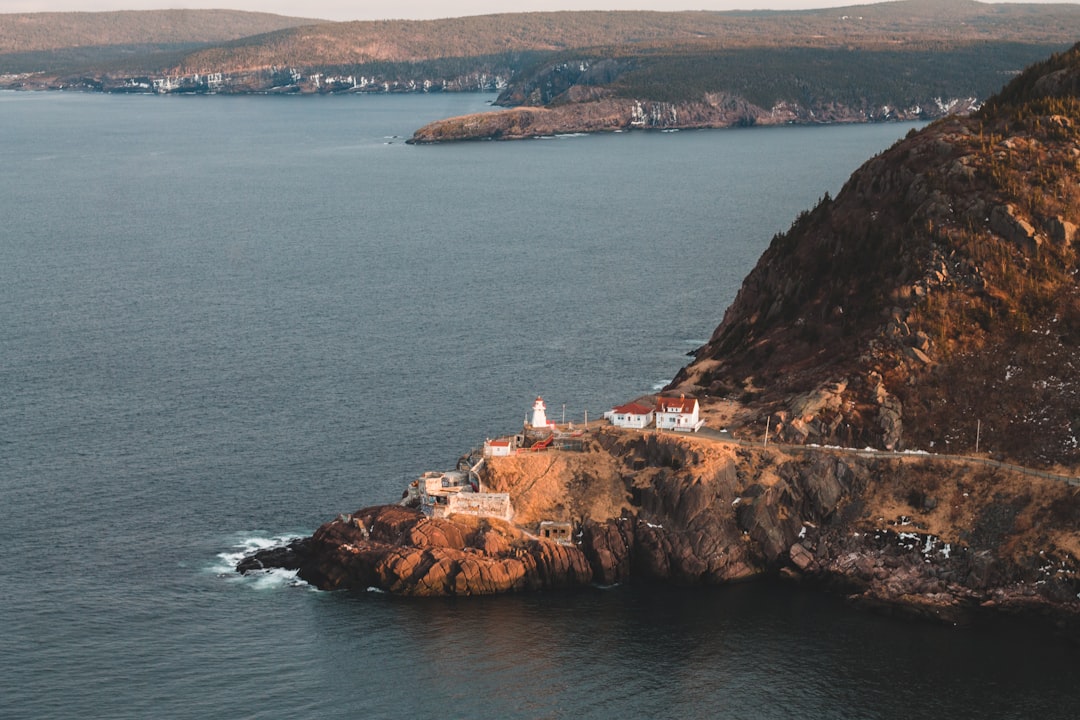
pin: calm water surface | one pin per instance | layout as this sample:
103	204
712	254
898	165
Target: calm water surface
226	320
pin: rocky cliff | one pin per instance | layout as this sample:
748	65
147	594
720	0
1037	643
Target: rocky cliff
933	304
919	535
703	85
598	110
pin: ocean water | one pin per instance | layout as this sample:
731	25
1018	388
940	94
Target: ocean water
226	320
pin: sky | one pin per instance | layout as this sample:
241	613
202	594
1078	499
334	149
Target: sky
420	9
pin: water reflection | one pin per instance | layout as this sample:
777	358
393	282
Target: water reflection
759	650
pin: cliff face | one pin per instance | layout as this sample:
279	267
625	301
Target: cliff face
933	304
701	85
919	535
587	110
399	550
933	300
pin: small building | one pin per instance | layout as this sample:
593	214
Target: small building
630	415
441	494
500	447
441	484
560	532
681	413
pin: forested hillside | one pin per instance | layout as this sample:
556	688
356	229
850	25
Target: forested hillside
54	41
910	58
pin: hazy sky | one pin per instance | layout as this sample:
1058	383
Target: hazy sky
376	9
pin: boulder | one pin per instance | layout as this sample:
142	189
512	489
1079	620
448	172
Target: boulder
1006	222
1062	232
801	557
399	550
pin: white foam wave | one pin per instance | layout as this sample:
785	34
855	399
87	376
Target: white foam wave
246	546
274	578
225	565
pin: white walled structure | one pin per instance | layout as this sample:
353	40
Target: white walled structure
496	505
501	447
681	413
630	415
539	414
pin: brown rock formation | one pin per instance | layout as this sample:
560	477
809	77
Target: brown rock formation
399	550
937	289
593	110
927	536
933	300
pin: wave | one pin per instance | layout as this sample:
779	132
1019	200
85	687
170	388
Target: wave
270	578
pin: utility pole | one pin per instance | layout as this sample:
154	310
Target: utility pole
978	434
767	419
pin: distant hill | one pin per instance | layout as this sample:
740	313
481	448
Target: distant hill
585	70
934	303
50	41
907	23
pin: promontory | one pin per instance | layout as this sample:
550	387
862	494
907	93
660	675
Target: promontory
889	408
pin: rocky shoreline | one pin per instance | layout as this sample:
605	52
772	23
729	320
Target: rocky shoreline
933	305
913	537
611	114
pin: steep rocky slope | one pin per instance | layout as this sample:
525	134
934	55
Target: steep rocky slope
934	302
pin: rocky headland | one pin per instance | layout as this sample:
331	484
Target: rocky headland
919	535
930	314
593	111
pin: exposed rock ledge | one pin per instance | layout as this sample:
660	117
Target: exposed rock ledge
609	114
917	535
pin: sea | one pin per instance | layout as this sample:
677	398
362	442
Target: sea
226	320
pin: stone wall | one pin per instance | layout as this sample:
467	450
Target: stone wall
480	504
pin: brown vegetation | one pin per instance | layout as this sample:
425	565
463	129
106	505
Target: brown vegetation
934	298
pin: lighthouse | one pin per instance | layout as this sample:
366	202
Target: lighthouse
539	416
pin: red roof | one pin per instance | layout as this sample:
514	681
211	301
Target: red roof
632	409
501	443
677	405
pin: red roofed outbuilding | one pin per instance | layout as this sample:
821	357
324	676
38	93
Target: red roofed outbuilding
630	415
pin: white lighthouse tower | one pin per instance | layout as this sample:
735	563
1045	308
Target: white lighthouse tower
539	416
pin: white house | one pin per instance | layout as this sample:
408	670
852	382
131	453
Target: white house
500	447
681	413
630	415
